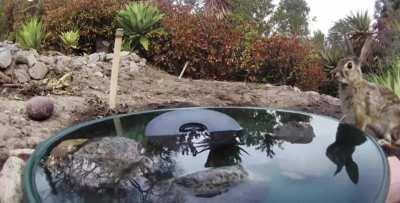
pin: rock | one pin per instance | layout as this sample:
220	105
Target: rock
213	181
21	153
295	132
102	46
98	74
125	53
109	57
109	159
96	57
10	46
48	60
10	181
134	57
63	63
5	58
38	71
78	62
40	108
134	67
142	63
21	73
25	57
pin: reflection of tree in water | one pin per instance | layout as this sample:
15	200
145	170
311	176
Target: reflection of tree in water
259	126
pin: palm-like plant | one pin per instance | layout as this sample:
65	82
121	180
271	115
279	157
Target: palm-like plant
218	8
330	57
31	34
359	22
140	21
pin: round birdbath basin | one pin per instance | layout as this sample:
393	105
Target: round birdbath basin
283	156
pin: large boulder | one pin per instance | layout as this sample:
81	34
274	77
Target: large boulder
40	108
5	58
10	181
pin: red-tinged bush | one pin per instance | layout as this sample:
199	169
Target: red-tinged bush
17	12
93	18
283	60
212	47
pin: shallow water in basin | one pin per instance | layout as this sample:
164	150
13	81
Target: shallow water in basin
327	166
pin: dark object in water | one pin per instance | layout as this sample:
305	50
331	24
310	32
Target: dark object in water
295	132
340	152
181	122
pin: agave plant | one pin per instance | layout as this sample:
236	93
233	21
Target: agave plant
70	39
31	34
389	79
359	22
140	21
330	57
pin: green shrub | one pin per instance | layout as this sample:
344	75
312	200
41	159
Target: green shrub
2	23
31	34
93	18
70	41
140	21
390	78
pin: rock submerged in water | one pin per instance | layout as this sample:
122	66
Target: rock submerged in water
40	108
203	184
213	181
295	132
97	165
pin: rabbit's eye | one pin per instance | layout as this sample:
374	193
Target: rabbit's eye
349	65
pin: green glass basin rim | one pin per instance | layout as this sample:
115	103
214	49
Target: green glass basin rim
31	194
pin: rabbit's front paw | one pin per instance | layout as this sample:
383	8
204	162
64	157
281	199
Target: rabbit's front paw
383	142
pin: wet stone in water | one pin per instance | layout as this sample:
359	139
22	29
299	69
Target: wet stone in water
99	164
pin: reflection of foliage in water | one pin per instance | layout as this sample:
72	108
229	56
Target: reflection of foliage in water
259	125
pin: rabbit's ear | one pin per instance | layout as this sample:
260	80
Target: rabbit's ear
352	171
349	45
366	50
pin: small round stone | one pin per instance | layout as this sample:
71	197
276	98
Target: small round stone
40	108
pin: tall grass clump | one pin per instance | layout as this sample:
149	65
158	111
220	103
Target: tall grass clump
390	78
140	21
31	34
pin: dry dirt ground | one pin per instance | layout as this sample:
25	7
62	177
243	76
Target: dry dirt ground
147	88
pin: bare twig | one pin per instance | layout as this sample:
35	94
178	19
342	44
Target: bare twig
184	69
12	85
4	78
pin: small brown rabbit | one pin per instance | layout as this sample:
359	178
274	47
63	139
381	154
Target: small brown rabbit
368	106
